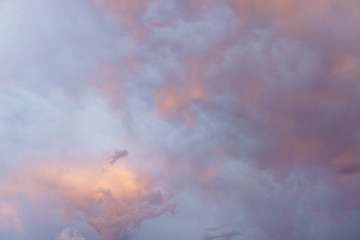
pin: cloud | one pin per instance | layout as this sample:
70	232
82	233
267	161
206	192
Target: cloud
10	216
110	198
65	235
228	235
118	154
220	232
237	111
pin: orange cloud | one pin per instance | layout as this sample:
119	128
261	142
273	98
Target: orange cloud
345	64
173	101
347	164
181	89
110	197
287	13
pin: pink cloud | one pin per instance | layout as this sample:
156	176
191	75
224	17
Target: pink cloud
10	217
252	104
109	197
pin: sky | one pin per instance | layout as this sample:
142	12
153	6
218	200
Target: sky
179	119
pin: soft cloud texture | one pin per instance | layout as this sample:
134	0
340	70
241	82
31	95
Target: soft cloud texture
180	119
65	235
109	197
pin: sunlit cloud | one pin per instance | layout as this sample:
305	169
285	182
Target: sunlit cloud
110	197
179	119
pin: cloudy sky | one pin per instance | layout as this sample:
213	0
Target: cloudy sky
179	119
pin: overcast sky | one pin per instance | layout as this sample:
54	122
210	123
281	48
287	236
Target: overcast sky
179	119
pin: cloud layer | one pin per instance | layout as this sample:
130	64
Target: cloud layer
234	119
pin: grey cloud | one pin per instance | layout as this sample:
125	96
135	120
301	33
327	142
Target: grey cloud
50	107
118	154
